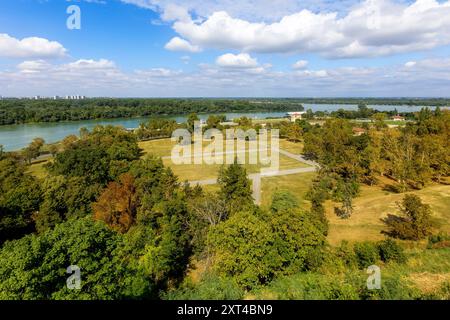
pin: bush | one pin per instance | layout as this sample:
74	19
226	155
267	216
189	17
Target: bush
393	287
440	240
283	200
34	267
309	286
390	250
345	254
244	249
366	254
211	287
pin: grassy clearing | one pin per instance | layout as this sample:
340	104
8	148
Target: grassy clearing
163	147
205	171
276	120
292	147
374	204
37	169
160	148
297	184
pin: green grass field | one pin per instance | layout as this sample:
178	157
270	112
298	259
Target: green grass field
297	184
164	148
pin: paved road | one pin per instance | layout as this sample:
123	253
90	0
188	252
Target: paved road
256	188
298	158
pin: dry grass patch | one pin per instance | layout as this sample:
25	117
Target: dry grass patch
429	282
374	204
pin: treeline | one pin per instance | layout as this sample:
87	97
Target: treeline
441	102
16	111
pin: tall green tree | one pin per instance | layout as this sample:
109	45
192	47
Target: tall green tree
415	221
235	187
20	195
192	118
34	149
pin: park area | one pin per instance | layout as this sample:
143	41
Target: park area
373	203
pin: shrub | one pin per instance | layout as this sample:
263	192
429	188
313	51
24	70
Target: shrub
310	286
34	267
393	287
283	200
366	254
390	250
211	287
440	240
345	254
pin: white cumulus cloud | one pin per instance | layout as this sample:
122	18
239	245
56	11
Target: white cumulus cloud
32	47
300	64
242	60
370	28
427	77
178	44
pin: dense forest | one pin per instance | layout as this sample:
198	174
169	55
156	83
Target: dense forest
136	231
14	111
441	102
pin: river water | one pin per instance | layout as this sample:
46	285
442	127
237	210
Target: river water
14	137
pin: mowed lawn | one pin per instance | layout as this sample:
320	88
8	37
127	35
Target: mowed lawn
297	184
160	148
163	147
209	171
292	147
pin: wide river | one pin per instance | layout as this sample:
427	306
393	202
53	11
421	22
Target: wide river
14	137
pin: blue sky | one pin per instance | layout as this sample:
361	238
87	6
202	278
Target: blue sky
159	48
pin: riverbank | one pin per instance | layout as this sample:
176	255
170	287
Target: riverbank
16	137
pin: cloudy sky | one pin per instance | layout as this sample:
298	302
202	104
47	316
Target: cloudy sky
226	48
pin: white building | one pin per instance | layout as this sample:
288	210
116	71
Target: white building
295	115
398	118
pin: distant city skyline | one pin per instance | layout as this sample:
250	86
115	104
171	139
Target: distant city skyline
225	48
